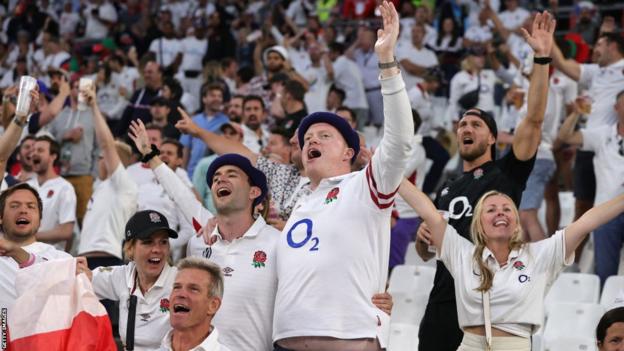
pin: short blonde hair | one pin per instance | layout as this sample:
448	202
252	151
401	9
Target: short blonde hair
216	276
479	238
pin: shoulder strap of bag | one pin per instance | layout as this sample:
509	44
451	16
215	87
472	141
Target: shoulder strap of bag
485	296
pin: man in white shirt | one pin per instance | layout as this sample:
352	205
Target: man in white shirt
193	48
167	48
348	77
514	16
320	75
100	17
604	80
57	194
607	142
415	58
195	299
242	244
255	131
56	56
330	258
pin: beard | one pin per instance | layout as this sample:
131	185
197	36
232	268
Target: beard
474	153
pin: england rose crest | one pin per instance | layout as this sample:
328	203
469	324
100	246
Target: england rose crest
332	195
518	265
259	258
164	305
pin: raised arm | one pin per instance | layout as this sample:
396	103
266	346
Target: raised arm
102	132
528	134
426	210
576	232
56	105
388	163
569	67
192	209
567	134
12	134
217	143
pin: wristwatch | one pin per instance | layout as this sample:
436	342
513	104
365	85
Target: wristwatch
20	122
387	65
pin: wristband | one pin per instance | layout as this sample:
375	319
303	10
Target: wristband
155	152
387	65
542	60
20	123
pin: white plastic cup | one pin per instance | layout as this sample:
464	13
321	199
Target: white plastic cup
27	83
83	85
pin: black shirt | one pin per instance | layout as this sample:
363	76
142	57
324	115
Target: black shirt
507	175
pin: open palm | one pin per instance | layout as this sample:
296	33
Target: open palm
541	37
387	36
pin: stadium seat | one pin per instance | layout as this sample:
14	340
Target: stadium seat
412	257
613	292
409	309
403	337
408	280
573	344
573	287
571	319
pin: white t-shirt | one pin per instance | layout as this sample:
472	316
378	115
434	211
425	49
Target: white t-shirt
166	50
422	57
194	51
464	82
126	79
68	23
152	312
604	83
249	269
415	173
420	101
326	274
96	29
479	34
251	139
518	289
562	90
113	202
152	196
211	343
513	19
59	204
55	60
316	96
8	271
608	162
347	76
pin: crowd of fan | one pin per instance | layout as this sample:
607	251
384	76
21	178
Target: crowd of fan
212	78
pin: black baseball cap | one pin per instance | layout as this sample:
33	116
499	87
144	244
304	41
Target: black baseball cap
145	223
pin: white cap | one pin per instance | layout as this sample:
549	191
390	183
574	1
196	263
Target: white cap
277	48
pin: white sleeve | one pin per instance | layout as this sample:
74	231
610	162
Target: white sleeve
592	137
550	255
588	72
125	187
193	210
385	171
105	279
108	13
67	208
454	94
454	249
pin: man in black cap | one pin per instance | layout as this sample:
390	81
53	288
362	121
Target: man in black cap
242	242
476	135
160	109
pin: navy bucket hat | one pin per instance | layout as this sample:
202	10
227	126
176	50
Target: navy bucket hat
256	177
349	134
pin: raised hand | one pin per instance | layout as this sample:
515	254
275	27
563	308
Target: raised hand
138	134
541	37
388	35
186	124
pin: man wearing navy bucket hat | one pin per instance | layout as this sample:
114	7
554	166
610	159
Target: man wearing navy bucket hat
333	252
241	243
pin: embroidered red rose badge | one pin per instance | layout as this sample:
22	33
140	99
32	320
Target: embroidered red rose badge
518	265
50	193
259	258
164	305
332	195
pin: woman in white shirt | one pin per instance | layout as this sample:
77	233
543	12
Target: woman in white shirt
148	276
500	276
449	38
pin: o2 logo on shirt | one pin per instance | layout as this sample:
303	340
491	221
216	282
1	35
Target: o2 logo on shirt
298	238
464	208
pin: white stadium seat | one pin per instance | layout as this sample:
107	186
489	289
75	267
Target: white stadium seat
412	257
568	320
403	337
409	309
408	280
574	344
613	292
573	287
